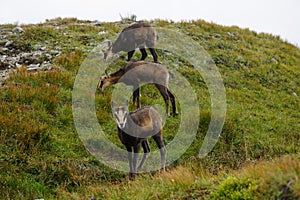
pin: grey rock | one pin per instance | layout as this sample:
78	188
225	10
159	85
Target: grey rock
17	30
25	55
48	56
54	52
43	48
37	54
274	61
3	49
102	32
18	66
8	43
98	23
33	67
295	94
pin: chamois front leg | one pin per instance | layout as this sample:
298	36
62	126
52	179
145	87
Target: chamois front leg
130	161
130	54
146	147
144	53
136	150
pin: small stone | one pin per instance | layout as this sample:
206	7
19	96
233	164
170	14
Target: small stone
37	54
48	56
17	30
97	23
4	49
25	55
8	43
54	52
295	94
43	48
18	65
102	32
274	61
33	67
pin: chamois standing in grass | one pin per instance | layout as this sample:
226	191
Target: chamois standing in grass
138	72
138	35
134	129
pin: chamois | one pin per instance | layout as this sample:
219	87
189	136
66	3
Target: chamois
138	35
138	72
134	129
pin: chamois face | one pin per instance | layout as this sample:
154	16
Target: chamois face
120	114
103	83
107	53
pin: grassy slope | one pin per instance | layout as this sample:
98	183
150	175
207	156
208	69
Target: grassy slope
258	153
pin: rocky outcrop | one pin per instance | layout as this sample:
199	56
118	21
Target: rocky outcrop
11	58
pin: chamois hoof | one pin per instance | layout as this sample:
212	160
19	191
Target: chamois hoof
132	176
175	114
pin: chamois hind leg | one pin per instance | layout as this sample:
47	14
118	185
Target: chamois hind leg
153	52
163	152
164	92
146	147
172	99
130	54
136	96
144	53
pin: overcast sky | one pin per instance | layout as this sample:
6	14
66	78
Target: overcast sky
278	17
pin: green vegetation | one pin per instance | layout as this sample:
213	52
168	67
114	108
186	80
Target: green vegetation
256	157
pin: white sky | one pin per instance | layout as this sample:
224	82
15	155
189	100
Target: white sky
279	17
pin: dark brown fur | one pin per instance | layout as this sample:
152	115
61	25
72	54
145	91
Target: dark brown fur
138	35
142	72
134	129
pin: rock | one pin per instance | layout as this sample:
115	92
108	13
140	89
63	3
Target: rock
8	43
33	67
25	55
48	56
46	66
17	30
102	32
43	48
274	61
18	65
3	50
98	23
37	54
295	94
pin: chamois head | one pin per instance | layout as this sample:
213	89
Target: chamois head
120	114
107	51
104	82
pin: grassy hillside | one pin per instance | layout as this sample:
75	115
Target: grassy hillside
257	155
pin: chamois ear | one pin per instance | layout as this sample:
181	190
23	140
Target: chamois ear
108	43
106	73
112	104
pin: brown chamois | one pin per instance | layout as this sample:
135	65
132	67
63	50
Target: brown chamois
138	72
134	129
138	35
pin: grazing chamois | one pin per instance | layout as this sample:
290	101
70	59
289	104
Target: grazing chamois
138	35
134	129
138	72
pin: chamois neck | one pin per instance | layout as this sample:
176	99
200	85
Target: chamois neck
114	78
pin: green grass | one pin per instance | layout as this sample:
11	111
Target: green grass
257	155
